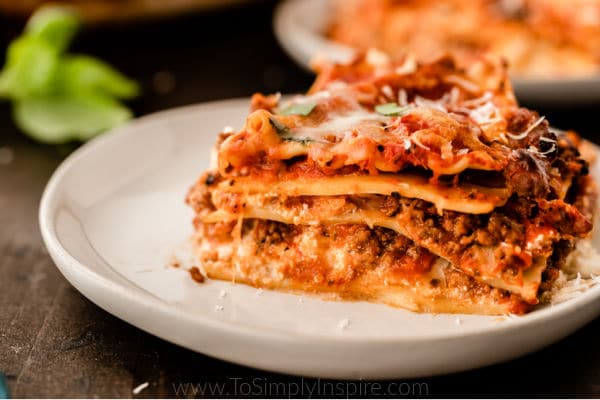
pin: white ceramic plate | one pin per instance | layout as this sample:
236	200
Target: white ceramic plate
300	25
113	216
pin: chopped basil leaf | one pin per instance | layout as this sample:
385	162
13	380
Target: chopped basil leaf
298	109
391	109
279	127
285	133
303	141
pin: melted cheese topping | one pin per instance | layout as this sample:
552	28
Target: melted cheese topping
342	129
339	127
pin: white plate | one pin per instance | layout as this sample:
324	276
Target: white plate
300	25
113	215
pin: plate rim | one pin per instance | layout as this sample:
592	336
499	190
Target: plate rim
71	267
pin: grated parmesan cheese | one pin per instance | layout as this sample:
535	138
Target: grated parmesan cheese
485	114
377	58
415	140
487	96
462	82
584	260
387	91
408	67
524	134
579	274
138	389
402	98
426	103
344	323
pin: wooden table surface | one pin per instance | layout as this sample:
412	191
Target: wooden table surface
54	342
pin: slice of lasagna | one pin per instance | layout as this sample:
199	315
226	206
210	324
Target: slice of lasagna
540	38
420	186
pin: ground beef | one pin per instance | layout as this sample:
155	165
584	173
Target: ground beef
526	175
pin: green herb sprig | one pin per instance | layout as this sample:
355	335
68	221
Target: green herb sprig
303	109
58	97
285	133
281	128
391	109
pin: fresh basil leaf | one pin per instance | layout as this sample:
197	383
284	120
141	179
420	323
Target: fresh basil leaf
57	97
30	68
61	118
303	141
54	25
279	127
83	74
298	109
391	109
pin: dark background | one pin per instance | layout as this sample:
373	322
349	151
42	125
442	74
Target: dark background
55	343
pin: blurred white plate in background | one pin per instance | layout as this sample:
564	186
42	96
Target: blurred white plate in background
300	25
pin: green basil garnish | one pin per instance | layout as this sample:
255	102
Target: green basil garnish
391	109
298	109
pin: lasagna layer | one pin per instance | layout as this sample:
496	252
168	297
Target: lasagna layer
348	261
506	248
437	125
466	198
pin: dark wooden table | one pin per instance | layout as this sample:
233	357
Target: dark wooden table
54	342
